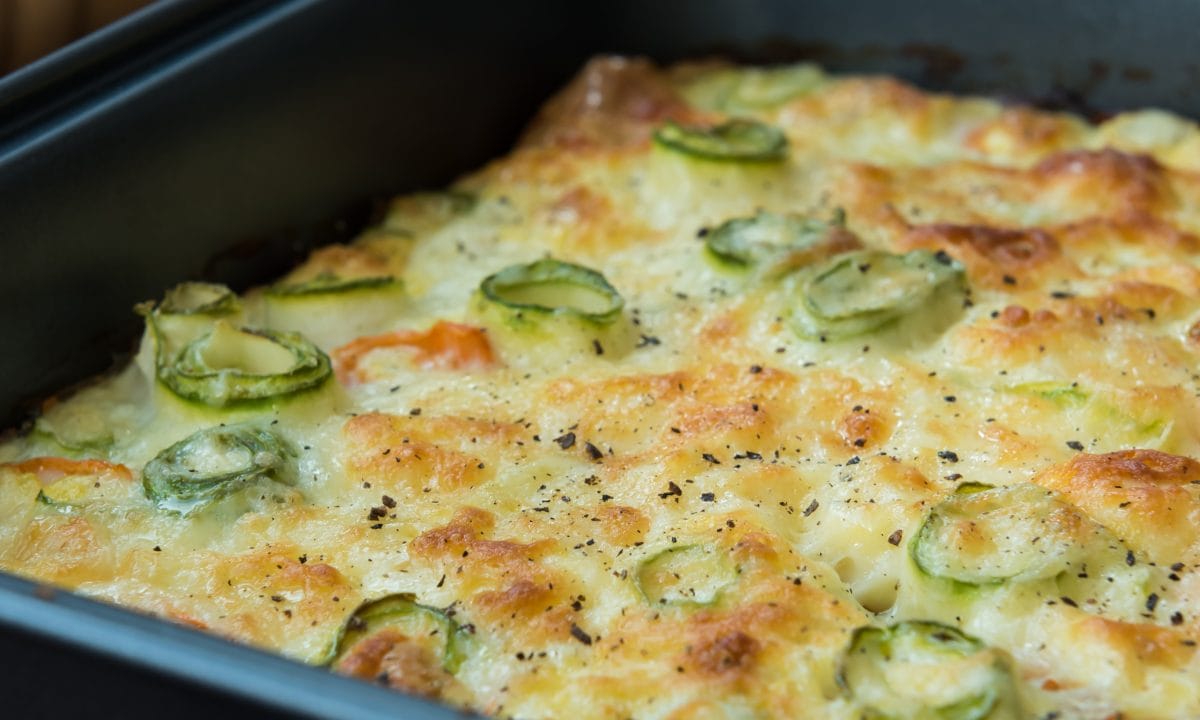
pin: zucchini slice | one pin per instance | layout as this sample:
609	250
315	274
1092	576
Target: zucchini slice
329	284
858	292
553	287
984	535
927	671
214	463
229	366
741	90
330	310
402	614
736	140
775	244
684	575
198	298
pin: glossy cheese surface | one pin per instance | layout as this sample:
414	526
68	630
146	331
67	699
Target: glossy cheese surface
688	511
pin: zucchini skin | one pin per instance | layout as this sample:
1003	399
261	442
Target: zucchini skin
190	377
871	647
327	284
774	245
495	287
172	482
721	572
857	293
199	298
739	140
374	615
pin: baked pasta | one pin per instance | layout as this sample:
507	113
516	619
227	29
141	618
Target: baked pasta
730	393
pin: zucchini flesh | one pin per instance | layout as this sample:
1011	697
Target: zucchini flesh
858	292
198	298
987	536
213	463
736	140
553	287
920	670
401	612
230	366
684	575
775	244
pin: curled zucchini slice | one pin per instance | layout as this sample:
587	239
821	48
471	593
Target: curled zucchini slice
776	244
552	287
684	575
327	284
858	292
984	535
403	619
198	298
229	366
736	140
925	670
214	463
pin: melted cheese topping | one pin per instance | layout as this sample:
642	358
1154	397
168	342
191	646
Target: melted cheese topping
530	486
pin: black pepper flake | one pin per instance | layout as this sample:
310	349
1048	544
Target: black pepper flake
303	559
942	257
1061	295
157	549
708	497
1009	280
1068	601
950	398
954	477
415	412
597	347
1151	602
388	501
578	633
605	498
702	232
276	598
377	526
948	455
812	508
751	455
1075	445
672	489
593	451
1176	618
1177	566
565	441
646	340
377	513
755	369
896	537
708	457
1129	558
854	460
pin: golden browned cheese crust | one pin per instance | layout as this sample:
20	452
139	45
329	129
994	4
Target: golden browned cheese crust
527	484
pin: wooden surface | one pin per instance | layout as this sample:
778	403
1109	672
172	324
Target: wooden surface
31	28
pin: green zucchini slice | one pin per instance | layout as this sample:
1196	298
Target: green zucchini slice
213	463
987	536
229	366
736	140
553	287
198	298
684	575
330	284
921	670
773	244
747	90
400	612
858	292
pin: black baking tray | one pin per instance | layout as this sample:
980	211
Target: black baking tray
220	140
